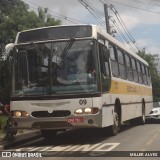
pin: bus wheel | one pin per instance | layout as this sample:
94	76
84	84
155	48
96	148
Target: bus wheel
48	134
142	119
113	130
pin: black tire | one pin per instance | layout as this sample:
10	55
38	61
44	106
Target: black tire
49	134
140	120
113	130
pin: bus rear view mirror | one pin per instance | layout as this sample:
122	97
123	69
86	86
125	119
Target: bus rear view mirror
8	48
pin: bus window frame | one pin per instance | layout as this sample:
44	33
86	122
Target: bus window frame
103	45
122	64
115	61
133	60
129	69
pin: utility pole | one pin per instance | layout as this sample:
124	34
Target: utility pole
107	18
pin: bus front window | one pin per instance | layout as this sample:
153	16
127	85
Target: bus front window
63	68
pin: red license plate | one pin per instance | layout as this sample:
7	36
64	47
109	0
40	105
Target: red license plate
75	120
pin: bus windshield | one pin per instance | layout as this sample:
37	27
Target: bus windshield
66	67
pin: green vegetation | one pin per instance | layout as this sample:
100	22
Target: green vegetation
3	122
15	16
152	60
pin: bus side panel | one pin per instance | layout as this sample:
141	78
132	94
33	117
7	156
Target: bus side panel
107	116
131	111
107	110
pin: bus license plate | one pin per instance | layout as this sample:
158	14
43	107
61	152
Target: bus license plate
75	120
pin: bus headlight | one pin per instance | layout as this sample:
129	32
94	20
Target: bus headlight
20	114
79	111
87	111
17	114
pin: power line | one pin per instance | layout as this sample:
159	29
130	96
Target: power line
126	31
144	2
122	34
92	12
117	35
94	8
87	6
124	27
97	10
142	9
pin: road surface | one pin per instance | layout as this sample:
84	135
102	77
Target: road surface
138	141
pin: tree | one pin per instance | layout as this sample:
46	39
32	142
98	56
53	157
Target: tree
46	18
19	18
152	60
5	82
15	17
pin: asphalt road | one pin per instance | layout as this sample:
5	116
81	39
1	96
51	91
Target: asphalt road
96	142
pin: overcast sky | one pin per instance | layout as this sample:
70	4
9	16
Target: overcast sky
143	25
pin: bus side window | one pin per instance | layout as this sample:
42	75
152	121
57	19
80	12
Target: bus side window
122	69
148	76
139	72
134	67
114	61
144	74
105	68
129	67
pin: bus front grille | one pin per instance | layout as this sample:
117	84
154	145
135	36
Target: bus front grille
43	114
50	125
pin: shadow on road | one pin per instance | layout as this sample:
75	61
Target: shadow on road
152	121
85	136
79	137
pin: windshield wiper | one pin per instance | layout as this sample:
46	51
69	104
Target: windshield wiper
37	49
67	47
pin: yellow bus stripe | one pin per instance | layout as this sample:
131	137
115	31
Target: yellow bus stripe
118	87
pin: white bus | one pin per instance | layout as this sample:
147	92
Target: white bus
76	76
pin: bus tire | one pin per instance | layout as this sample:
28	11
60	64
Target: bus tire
141	120
113	130
48	134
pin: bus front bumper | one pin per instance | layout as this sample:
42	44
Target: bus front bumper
85	121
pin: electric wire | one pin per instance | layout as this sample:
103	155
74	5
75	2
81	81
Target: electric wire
122	34
92	12
123	25
125	29
146	3
142	9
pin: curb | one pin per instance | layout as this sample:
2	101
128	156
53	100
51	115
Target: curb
20	139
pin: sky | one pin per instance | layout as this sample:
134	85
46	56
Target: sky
141	17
